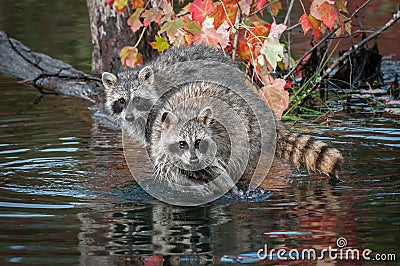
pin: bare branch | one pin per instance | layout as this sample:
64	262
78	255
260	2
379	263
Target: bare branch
323	40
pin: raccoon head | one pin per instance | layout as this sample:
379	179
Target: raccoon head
127	95
189	143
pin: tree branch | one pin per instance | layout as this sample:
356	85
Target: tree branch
47	74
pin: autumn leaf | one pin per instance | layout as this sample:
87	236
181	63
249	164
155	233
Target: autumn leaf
137	4
276	96
275	6
130	56
172	27
212	37
260	4
200	9
192	27
109	3
272	50
134	21
305	23
245	6
309	22
341	5
276	30
258	32
243	50
120	5
160	44
152	15
220	16
328	14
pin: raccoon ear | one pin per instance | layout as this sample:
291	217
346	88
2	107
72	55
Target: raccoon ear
204	116
168	119
146	74
109	80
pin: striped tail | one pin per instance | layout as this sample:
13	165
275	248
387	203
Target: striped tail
303	150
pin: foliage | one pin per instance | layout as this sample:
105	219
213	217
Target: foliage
240	29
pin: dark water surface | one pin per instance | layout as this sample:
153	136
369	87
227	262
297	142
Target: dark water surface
67	197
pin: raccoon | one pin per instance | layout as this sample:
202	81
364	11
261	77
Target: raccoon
186	146
232	122
301	150
128	102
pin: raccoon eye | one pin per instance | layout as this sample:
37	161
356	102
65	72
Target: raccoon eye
197	143
119	105
182	144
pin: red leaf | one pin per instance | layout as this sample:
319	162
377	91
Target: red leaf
328	14
109	3
305	23
200	9
260	4
152	15
134	20
243	51
309	22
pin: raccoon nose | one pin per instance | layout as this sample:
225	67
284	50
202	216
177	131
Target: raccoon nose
129	117
194	159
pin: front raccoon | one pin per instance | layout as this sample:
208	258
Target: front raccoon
301	150
184	150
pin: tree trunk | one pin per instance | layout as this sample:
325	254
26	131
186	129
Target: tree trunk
110	33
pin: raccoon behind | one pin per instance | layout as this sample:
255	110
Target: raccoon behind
123	91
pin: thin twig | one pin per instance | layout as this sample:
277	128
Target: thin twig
236	36
396	16
323	40
285	22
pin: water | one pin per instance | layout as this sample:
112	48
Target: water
67	197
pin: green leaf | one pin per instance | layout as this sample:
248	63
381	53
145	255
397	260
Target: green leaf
272	50
160	44
172	27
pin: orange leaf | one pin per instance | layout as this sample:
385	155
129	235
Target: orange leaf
130	56
137	4
243	51
276	96
200	9
220	16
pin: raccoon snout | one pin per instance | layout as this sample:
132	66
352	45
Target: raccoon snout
194	159
129	117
